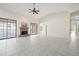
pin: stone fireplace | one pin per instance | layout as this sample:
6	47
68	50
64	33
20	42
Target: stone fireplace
23	30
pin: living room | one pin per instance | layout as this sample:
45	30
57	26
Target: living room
37	29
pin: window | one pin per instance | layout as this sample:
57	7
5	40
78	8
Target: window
7	28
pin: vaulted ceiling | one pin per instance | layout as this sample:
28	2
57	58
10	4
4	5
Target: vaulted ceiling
45	8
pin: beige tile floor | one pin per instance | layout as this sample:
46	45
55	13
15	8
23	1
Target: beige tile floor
37	45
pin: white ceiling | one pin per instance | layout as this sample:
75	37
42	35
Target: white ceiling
45	8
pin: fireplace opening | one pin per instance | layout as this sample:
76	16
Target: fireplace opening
24	33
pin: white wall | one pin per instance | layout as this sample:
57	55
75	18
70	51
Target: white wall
57	24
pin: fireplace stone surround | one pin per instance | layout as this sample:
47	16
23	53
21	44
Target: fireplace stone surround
23	31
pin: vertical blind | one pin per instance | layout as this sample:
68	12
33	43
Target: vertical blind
7	28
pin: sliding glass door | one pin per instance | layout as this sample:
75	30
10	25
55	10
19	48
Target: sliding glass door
1	29
4	28
13	29
7	28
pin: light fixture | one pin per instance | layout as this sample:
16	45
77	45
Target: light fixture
34	10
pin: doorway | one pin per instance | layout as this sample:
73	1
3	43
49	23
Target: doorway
74	25
33	28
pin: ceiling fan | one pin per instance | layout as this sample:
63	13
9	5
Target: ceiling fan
34	10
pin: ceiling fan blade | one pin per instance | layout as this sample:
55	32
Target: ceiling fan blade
37	11
30	9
